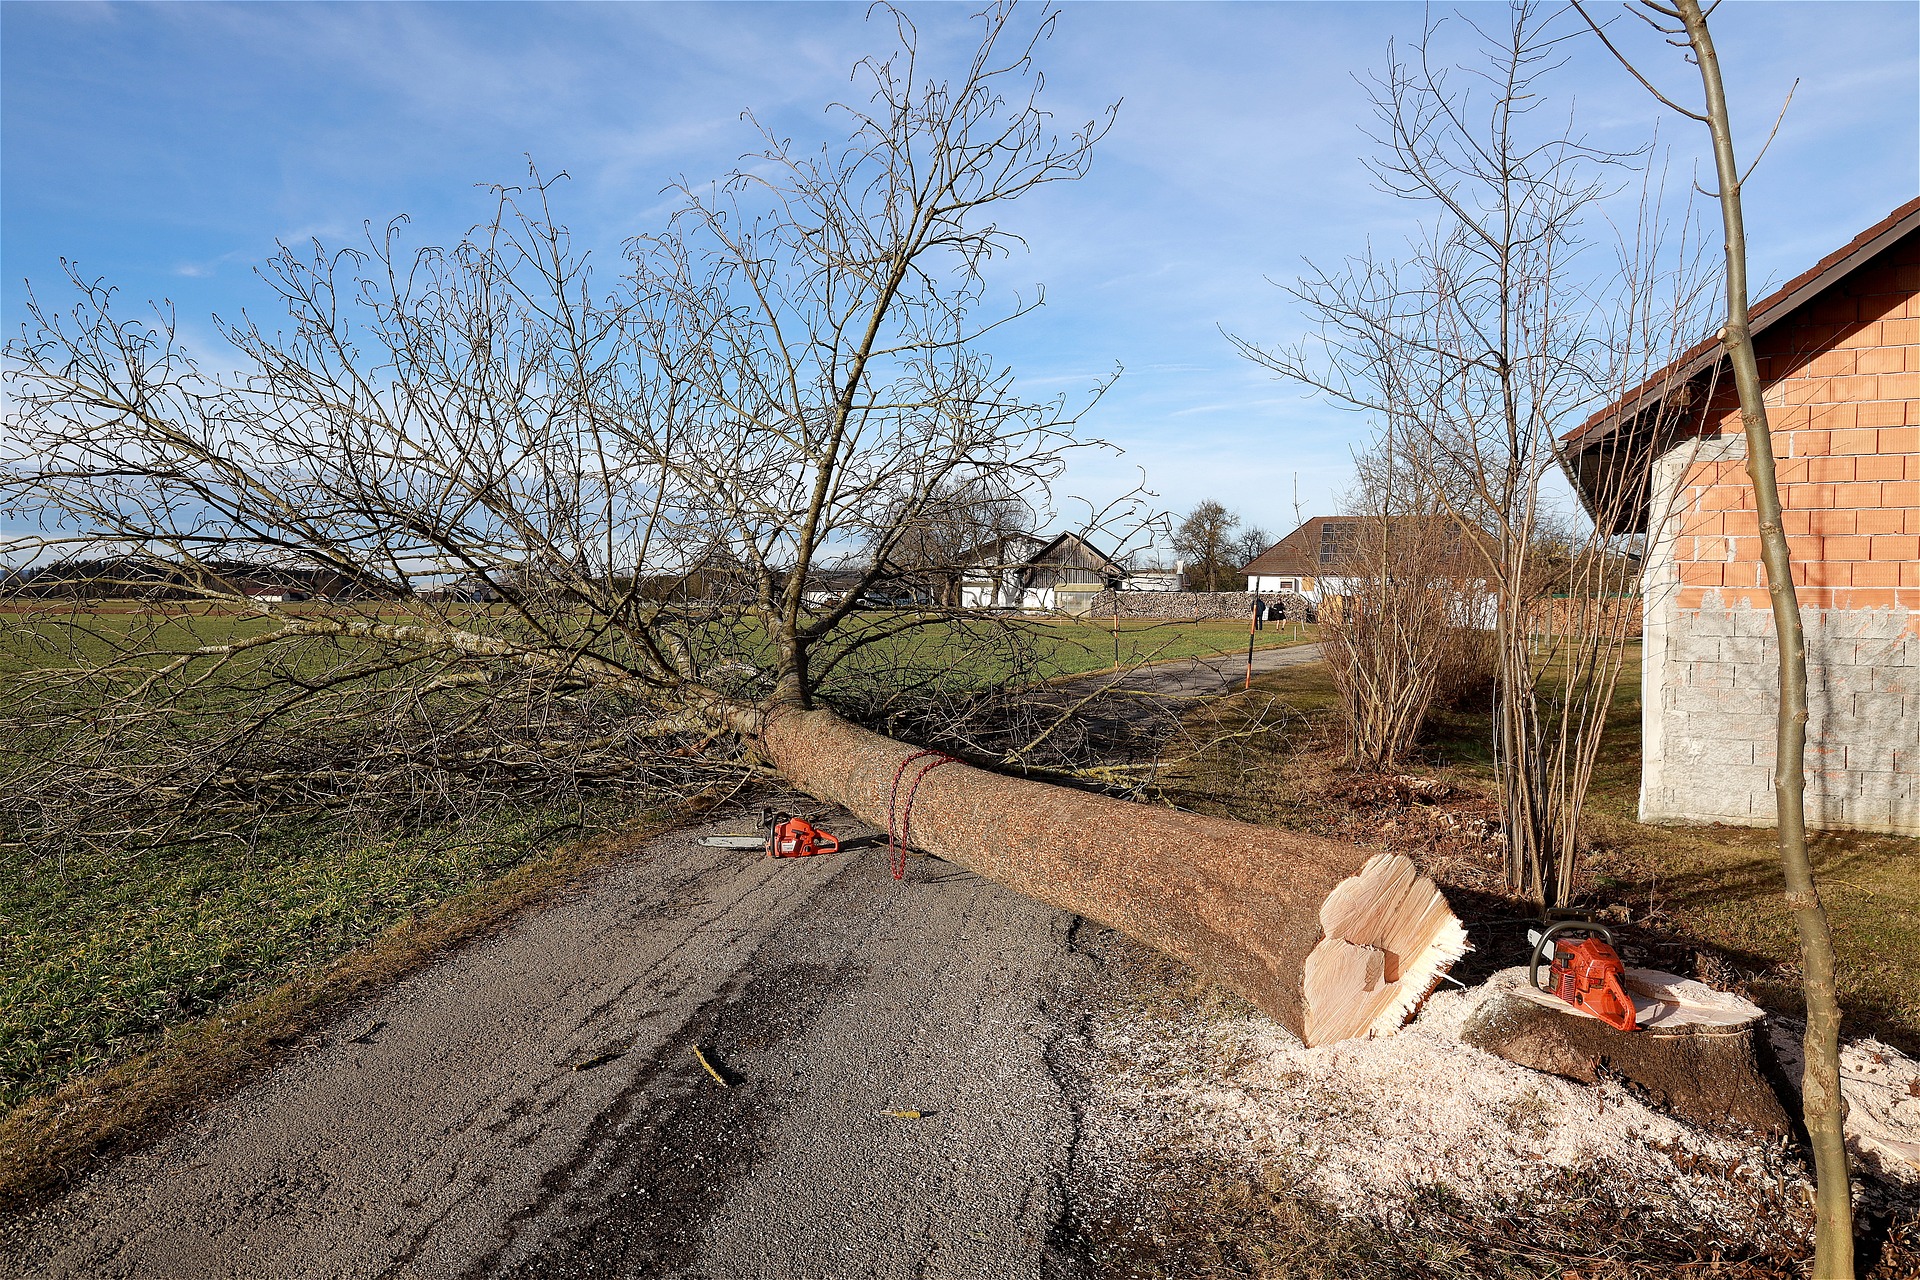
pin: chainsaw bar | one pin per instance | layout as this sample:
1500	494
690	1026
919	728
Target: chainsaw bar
734	842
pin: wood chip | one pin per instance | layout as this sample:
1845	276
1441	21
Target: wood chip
717	1077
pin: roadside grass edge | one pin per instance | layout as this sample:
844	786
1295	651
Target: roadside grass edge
47	1143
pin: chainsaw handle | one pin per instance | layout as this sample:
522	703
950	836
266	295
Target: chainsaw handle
826	843
1546	940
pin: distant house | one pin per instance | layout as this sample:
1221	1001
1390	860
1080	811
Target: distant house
1316	561
1839	354
1306	562
470	589
827	587
1156	579
1022	571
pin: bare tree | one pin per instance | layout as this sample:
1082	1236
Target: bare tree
1492	336
1822	1106
1402	601
575	523
1204	539
945	533
636	474
1249	543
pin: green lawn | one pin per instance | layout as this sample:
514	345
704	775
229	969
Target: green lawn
102	953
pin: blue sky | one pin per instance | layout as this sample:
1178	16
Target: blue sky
167	147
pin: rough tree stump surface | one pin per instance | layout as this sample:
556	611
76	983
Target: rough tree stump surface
1272	915
1697	1053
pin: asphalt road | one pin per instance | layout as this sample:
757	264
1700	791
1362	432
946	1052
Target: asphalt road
532	1104
1200	677
453	1126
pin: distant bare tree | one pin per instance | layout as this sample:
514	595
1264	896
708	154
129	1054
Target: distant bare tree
945	532
1204	539
1249	543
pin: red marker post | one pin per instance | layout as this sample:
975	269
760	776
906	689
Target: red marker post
1253	625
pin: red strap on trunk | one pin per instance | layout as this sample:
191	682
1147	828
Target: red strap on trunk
898	826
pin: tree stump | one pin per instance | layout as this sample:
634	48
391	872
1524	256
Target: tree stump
1697	1052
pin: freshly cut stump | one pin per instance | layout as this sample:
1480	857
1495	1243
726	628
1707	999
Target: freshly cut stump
1696	1054
1329	940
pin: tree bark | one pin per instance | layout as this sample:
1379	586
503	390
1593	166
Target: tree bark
1329	940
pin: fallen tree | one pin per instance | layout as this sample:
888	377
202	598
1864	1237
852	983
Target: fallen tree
570	534
1329	940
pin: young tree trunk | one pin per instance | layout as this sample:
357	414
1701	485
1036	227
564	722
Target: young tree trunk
1833	1240
1330	941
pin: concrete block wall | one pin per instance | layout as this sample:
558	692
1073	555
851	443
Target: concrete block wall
1843	397
1715	705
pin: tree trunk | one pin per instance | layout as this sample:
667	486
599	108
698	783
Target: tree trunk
1822	1105
1330	941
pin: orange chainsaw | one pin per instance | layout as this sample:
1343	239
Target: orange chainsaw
791	837
1587	974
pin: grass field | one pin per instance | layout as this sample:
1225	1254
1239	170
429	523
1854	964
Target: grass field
101	955
59	635
105	953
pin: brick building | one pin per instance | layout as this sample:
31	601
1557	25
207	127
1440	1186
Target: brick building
1839	354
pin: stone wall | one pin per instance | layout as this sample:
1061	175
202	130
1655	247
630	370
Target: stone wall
1177	604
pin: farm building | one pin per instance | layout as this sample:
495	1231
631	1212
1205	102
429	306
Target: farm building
1022	571
1839	353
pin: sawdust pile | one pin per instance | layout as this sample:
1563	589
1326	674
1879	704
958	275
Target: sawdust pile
1364	1125
1359	1122
1882	1088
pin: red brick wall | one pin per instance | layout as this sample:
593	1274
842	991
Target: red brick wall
1843	397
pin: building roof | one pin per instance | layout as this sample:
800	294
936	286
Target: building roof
1301	551
1022	550
1072	549
1585	449
1004	552
1321	546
